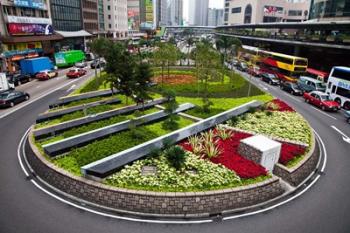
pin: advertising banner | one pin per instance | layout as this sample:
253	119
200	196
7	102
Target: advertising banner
37	4
29	29
133	19
272	10
149	10
31	20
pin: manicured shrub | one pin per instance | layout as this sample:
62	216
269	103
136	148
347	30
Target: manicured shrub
176	156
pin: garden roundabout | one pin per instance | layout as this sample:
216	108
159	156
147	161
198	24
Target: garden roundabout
144	160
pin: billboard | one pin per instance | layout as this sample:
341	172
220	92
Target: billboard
133	19
29	29
149	10
272	10
37	4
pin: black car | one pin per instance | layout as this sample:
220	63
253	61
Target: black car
10	98
242	66
97	64
292	88
270	78
18	79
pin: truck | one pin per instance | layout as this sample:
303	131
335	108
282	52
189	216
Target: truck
4	84
69	58
35	65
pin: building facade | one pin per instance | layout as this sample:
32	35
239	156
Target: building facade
66	15
162	12
175	13
101	17
330	10
25	31
215	17
116	18
265	11
90	15
198	12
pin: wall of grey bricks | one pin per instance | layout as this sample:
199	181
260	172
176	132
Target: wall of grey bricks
179	204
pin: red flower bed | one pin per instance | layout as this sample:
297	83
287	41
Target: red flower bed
289	152
230	158
281	106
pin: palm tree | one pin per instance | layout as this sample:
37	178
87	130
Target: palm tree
190	42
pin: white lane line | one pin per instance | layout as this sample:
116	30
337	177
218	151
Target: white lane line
21	144
293	197
37	98
71	88
290	96
324	113
344	136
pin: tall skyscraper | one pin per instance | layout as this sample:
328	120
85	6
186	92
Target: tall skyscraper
198	12
161	12
215	17
174	13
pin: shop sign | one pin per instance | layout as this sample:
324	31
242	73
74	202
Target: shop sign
31	20
29	29
36	4
15	54
272	10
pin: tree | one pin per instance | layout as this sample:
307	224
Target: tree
99	47
142	76
190	42
120	69
171	123
160	57
166	55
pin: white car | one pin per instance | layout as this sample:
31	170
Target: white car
81	64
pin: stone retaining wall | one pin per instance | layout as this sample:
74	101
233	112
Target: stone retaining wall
151	203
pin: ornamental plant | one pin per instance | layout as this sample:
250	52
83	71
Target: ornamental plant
176	156
210	149
196	143
208	136
223	133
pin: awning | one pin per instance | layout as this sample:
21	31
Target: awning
317	72
81	33
23	39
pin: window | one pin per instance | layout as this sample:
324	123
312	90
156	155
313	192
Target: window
329	85
248	14
109	16
333	89
342	74
236	10
343	92
109	7
227	4
109	25
295	13
300	62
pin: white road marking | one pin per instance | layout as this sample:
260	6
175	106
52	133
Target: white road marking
290	96
71	88
324	113
344	136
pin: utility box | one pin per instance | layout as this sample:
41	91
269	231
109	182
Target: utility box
261	150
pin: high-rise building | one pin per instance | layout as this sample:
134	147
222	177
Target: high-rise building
330	10
215	17
116	18
265	11
101	16
26	31
90	15
161	12
66	15
198	12
174	13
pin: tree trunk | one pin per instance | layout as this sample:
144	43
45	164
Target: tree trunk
162	74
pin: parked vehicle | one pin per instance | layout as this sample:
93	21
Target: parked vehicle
46	74
292	88
270	78
12	97
97	64
81	64
308	84
89	56
76	73
69	58
18	79
4	83
347	115
242	66
255	71
234	62
338	86
321	100
35	65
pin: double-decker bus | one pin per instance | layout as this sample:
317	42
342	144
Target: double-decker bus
317	74
250	54
338	85
286	67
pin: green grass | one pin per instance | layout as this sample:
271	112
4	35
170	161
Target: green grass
93	126
76	158
93	85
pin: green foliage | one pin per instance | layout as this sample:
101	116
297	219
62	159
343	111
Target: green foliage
207	176
170	106
223	133
206	105
176	156
210	149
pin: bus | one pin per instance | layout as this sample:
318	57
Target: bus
285	67
317	74
249	54
69	58
338	85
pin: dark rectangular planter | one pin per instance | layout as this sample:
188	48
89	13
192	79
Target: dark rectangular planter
62	146
56	114
52	130
88	95
107	166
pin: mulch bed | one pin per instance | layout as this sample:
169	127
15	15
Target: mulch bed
175	79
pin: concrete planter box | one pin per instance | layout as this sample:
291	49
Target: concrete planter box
52	130
62	146
88	95
146	203
56	114
110	164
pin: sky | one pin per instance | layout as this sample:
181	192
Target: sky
212	4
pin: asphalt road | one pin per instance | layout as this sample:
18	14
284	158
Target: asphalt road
322	209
